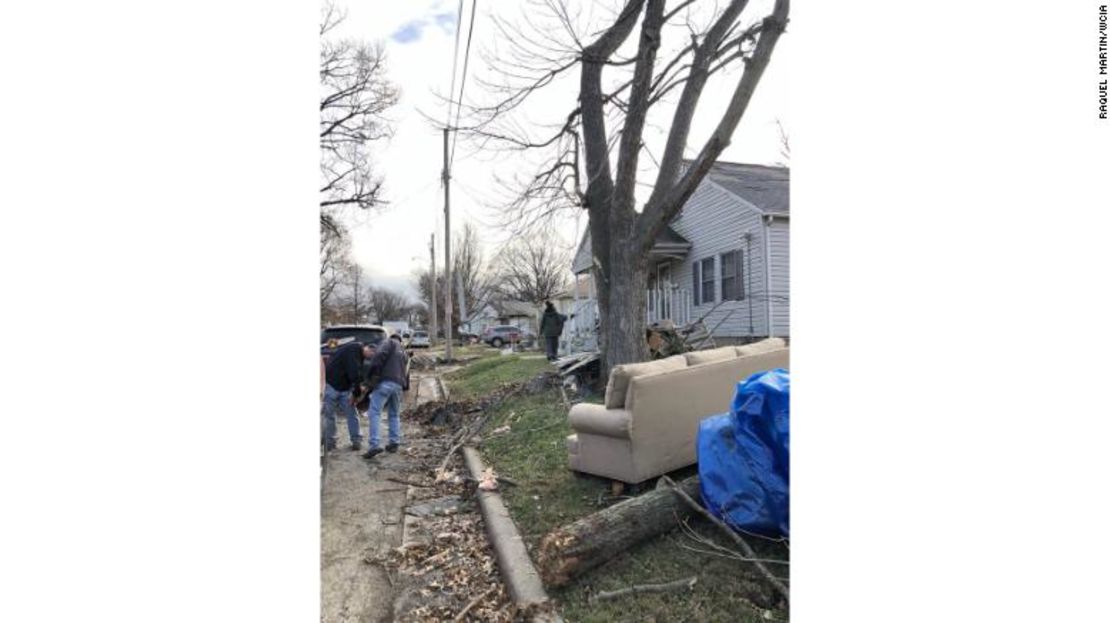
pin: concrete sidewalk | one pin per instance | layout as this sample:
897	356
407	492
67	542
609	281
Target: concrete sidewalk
362	517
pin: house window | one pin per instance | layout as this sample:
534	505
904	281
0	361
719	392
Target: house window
705	281
732	276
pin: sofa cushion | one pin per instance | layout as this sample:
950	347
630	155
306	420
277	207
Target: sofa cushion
699	357
762	346
622	374
586	417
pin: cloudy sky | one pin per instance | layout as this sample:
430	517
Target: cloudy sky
419	37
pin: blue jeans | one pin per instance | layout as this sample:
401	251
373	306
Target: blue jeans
335	399
387	393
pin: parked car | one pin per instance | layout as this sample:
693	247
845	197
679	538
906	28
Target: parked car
335	336
469	338
499	335
419	339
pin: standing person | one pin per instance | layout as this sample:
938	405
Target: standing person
551	327
342	375
391	366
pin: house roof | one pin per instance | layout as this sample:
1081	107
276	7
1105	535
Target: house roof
515	308
668	241
768	188
765	187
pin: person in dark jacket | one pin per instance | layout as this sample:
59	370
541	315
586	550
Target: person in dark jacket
551	327
390	366
342	375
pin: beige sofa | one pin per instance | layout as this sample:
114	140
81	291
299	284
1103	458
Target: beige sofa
648	425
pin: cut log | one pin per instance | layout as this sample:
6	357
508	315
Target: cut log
571	550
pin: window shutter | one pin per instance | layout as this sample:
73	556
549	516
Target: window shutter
739	272
697	284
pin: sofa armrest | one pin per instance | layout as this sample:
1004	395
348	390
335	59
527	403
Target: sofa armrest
596	419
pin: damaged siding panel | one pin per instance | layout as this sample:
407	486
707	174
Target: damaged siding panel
779	236
714	222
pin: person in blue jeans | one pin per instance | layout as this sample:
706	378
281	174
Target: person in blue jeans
343	374
390	365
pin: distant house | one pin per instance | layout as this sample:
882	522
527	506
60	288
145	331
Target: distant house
517	313
480	319
725	258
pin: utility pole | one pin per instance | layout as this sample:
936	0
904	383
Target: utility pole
447	245
463	318
354	286
435	312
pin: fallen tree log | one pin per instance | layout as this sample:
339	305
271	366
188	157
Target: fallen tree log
571	550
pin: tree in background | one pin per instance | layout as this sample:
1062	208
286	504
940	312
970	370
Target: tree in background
387	304
354	96
784	145
532	269
471	274
609	117
335	263
354	303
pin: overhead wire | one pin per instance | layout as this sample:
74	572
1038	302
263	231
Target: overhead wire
462	85
454	63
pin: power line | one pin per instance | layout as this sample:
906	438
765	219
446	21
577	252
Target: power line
462	86
454	63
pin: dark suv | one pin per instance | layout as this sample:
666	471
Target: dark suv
334	337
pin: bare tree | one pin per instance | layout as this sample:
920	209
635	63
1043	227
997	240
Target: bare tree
611	116
784	145
473	277
335	261
354	300
387	304
533	270
469	267
354	96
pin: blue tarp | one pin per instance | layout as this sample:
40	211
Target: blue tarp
744	457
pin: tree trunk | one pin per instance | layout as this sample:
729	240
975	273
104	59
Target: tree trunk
570	551
622	295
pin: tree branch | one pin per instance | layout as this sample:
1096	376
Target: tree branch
739	540
668	198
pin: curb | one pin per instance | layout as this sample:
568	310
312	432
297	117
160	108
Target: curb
520	575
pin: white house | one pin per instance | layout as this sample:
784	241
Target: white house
724	259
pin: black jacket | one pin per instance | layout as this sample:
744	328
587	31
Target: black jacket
344	370
552	323
390	363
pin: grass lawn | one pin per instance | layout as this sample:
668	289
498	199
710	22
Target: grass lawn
533	453
489	372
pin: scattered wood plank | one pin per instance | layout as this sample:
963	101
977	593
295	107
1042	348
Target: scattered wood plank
571	550
687	584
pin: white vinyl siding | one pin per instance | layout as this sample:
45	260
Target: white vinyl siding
779	235
714	221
